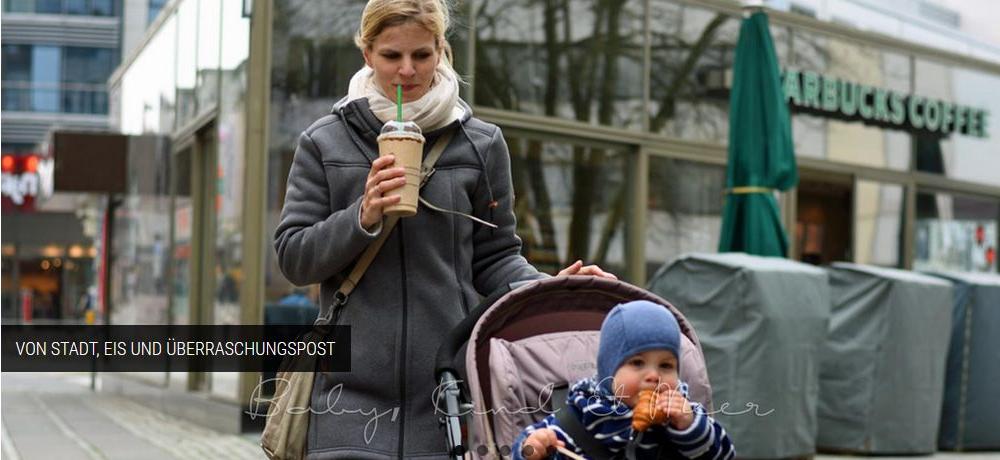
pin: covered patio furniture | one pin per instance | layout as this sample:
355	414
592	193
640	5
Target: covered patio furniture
970	415
882	374
762	321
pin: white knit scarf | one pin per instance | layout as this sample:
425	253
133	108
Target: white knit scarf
435	109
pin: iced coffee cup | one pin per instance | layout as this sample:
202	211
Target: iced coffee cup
404	141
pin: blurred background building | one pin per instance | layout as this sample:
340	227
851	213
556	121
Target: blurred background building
57	56
615	112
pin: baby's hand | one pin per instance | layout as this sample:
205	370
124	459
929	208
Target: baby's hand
540	444
680	415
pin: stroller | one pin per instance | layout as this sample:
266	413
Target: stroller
496	370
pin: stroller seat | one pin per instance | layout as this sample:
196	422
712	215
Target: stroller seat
528	341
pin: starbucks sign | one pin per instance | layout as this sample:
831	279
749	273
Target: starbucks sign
829	96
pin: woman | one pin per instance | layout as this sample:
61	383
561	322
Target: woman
433	267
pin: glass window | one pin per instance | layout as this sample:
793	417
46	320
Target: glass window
141	242
878	223
313	60
956	232
236	29
84	100
17	77
46	65
102	7
19	6
147	89
48	6
458	37
76	7
208	54
580	60
314	56
53	79
88	65
154	10
182	229
683	215
73	7
187	55
16	63
781	37
692	52
970	102
17	147
570	203
85	72
229	139
180	261
825	132
9	310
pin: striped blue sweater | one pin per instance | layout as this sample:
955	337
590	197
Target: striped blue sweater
610	422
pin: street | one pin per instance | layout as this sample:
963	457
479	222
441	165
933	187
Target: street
53	415
49	416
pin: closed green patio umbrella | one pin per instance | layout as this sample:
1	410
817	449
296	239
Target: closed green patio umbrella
761	158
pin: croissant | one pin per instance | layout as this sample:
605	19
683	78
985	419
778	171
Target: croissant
645	413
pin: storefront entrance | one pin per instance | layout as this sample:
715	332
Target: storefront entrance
823	226
48	265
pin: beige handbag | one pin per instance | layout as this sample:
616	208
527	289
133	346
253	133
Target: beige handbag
286	430
287	426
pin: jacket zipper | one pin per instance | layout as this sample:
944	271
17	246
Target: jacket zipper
402	349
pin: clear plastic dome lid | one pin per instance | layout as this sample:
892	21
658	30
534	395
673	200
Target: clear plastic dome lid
400	127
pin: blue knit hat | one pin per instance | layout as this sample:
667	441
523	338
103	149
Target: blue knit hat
631	328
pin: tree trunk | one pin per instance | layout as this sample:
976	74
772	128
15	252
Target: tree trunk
610	227
545	255
588	168
666	110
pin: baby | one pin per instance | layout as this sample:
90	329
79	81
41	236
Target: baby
639	350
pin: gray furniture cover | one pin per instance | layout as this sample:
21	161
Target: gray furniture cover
761	321
882	374
970	415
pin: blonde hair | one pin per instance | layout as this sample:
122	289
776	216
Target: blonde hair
379	15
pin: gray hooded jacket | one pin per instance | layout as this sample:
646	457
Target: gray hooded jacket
432	269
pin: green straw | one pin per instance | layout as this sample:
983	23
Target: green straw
399	103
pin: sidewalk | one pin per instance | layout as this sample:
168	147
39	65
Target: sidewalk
48	416
53	415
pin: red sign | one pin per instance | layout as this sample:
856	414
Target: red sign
26	178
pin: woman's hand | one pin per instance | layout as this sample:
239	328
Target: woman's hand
382	178
540	444
577	268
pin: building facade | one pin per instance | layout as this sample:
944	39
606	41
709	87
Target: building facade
57	56
616	116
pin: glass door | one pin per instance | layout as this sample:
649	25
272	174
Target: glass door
192	257
879	209
181	238
181	250
823	231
